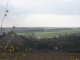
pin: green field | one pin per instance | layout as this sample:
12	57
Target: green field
51	33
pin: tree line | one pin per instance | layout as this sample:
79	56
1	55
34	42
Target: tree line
64	43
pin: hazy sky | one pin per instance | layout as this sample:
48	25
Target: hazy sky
41	13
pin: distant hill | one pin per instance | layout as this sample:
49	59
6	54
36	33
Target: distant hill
37	29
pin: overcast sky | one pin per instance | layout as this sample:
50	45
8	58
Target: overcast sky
41	13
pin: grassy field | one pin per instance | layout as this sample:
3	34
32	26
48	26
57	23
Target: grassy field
42	56
51	33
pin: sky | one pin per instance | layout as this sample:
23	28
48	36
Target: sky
41	13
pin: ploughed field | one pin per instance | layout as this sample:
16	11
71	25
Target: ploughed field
41	56
49	34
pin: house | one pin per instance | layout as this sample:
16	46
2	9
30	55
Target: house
12	39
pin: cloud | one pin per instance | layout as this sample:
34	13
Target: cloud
68	0
41	13
43	20
61	7
65	7
51	20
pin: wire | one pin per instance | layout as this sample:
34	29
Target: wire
4	15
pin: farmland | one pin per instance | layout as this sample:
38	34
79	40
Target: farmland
43	56
49	34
